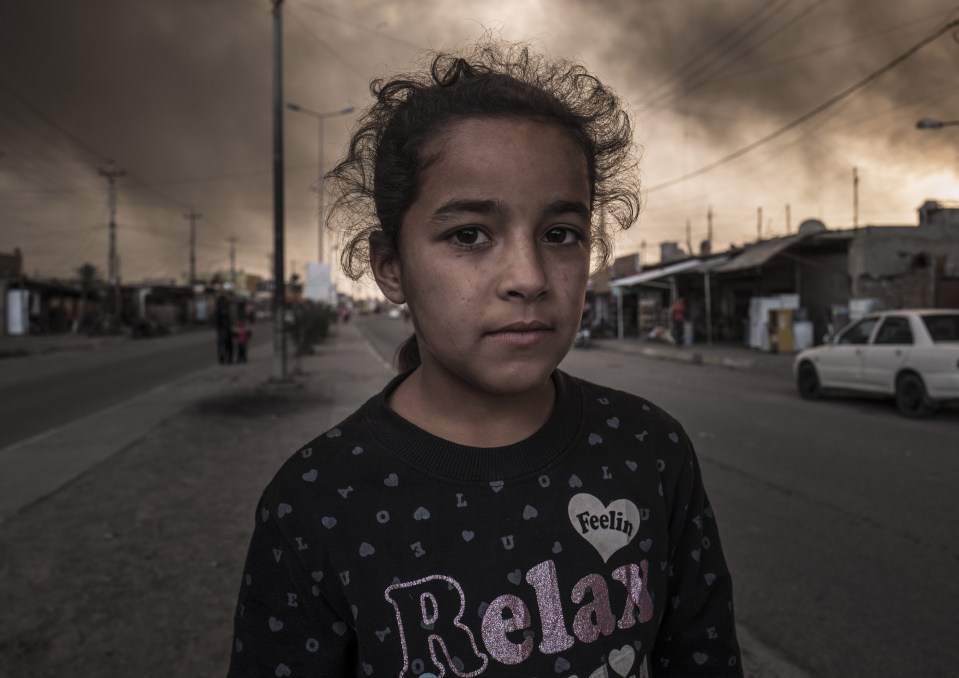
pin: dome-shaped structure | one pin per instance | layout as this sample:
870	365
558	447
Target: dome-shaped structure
810	226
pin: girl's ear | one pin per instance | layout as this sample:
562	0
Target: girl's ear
385	263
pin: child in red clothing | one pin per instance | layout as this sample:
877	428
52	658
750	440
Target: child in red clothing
242	338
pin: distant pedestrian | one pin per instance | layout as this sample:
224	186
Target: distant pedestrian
678	313
224	331
487	515
241	336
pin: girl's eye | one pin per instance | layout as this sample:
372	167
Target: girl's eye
561	235
469	237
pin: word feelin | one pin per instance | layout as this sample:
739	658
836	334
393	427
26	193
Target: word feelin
608	528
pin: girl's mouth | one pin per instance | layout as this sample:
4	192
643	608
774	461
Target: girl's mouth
522	334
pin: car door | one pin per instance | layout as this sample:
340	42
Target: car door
886	353
841	365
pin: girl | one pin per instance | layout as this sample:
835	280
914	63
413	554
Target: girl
487	514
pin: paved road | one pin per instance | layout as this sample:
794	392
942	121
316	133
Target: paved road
840	518
42	392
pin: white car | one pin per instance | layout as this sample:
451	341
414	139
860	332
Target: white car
911	355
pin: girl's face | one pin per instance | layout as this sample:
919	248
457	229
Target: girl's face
494	254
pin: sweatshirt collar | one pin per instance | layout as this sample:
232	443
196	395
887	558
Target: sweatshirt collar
439	457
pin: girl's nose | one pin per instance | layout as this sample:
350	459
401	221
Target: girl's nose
523	273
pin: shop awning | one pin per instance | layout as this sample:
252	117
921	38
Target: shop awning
656	273
758	254
687	266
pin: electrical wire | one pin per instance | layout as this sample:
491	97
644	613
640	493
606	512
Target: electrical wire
707	61
822	50
826	105
718	48
354	24
325	45
716	67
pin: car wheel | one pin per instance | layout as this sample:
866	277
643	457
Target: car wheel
807	381
911	398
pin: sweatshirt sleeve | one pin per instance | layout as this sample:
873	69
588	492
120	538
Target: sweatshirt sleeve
283	625
697	636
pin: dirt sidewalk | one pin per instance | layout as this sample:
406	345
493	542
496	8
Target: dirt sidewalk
132	568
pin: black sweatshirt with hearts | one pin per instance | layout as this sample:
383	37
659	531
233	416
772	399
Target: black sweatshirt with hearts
584	550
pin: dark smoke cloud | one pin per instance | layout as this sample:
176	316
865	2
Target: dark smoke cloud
178	92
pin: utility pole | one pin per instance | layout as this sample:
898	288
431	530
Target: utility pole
232	240
192	215
789	226
689	238
112	173
855	197
759	222
279	291
709	226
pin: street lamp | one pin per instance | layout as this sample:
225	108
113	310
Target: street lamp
320	118
932	123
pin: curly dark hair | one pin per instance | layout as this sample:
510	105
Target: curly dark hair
379	178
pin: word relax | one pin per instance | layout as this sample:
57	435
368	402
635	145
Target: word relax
426	626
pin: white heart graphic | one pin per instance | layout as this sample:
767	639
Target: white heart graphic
621	660
608	528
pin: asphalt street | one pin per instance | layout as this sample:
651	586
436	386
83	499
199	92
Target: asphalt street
838	517
42	392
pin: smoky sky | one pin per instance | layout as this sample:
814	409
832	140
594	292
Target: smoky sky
178	93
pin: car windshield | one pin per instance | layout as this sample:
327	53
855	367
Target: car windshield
943	327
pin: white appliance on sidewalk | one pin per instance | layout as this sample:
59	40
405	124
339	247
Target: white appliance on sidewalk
757	335
18	312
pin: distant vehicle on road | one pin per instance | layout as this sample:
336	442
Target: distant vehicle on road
911	355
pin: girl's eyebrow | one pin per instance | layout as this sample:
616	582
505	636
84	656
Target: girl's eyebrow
569	207
474	206
489	206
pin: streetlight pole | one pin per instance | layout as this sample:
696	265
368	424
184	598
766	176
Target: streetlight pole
279	304
320	117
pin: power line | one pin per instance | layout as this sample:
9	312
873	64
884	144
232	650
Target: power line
849	91
718	67
354	24
53	123
822	50
706	59
325	45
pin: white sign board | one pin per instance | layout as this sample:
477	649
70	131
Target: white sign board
318	285
18	317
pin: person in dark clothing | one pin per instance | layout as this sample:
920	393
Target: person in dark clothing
224	331
678	313
487	514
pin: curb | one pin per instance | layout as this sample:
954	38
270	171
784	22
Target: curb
742	359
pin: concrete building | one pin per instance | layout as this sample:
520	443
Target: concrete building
836	274
909	266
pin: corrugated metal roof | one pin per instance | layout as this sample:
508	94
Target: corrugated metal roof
760	253
685	266
656	273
